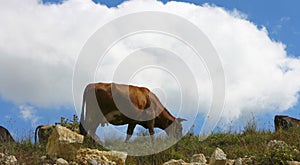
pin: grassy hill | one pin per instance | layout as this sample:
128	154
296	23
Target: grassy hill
235	145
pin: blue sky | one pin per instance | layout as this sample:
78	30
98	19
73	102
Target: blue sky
281	19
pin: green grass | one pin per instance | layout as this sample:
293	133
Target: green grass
235	145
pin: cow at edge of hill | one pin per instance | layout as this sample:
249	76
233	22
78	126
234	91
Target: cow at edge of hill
42	132
5	136
285	122
120	104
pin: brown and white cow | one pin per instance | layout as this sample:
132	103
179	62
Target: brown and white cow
42	132
120	104
285	122
5	136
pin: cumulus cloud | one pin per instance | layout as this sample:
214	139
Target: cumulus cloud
28	114
39	45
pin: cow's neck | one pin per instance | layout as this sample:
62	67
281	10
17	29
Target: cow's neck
165	120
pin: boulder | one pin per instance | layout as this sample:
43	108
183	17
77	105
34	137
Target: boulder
238	161
93	156
218	157
293	163
92	162
276	144
176	162
63	143
248	160
198	158
229	162
61	161
8	159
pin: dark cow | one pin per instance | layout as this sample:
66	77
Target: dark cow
5	136
285	122
120	104
43	132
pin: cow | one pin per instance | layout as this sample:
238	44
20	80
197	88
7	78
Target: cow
285	122
43	132
120	104
5	136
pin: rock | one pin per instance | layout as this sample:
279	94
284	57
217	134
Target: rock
61	161
218	157
293	163
43	158
248	160
8	159
195	163
296	152
176	162
229	162
198	158
238	161
92	162
63	143
73	163
85	156
276	144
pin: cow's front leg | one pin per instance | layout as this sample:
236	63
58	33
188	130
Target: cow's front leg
130	130
151	129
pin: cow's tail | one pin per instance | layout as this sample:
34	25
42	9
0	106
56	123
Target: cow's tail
81	127
83	103
36	132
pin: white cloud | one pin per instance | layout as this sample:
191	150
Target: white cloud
28	114
39	45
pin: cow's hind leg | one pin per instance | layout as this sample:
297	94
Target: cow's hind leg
130	130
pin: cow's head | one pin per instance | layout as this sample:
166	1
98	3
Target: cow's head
282	122
175	129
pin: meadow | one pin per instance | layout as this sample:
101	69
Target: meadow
249	143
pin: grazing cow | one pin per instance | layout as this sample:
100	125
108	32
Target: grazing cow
43	132
5	136
120	104
285	122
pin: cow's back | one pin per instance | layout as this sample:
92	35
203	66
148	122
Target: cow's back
5	136
285	122
111	96
128	103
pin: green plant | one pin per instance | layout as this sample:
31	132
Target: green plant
70	124
248	143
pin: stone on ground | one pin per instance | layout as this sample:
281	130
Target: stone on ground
63	143
92	156
198	158
218	157
175	162
8	159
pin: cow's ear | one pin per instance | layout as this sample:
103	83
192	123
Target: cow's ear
180	120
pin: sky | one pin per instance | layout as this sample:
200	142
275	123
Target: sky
257	41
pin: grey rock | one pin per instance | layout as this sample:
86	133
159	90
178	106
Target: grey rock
198	158
63	143
8	159
176	162
61	161
94	156
293	163
218	157
238	161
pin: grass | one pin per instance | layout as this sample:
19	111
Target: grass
248	143
234	145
